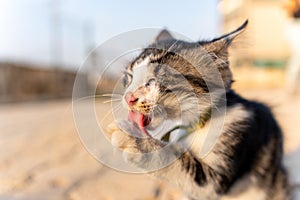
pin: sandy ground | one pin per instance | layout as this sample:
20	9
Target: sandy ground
41	156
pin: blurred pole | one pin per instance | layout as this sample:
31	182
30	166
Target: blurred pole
89	45
88	35
56	43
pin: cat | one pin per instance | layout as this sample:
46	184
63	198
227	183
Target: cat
175	80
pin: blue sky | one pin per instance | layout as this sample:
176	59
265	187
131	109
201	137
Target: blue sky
25	25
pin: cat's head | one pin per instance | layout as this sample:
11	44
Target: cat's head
173	79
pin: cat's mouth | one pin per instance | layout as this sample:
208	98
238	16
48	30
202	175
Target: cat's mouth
140	119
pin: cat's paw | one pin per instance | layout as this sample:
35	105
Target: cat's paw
137	148
121	135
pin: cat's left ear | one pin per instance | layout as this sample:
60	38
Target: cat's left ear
219	46
163	35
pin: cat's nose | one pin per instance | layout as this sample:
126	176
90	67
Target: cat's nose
130	98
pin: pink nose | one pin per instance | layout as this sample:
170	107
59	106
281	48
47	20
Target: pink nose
130	98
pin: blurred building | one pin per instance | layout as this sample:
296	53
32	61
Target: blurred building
23	82
264	43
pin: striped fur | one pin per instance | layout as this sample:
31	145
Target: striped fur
246	158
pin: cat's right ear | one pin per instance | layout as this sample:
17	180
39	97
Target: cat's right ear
219	46
163	35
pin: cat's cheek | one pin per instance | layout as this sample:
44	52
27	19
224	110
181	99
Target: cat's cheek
155	93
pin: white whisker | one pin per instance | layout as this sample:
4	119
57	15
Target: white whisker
111	100
111	95
116	108
86	97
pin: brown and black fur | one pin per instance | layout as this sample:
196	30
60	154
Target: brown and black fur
248	153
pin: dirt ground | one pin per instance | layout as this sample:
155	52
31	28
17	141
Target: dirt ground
41	156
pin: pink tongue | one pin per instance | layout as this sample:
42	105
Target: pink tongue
140	119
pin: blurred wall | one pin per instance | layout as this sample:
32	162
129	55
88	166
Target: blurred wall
264	40
19	82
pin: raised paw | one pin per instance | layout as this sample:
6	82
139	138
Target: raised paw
127	137
122	137
138	150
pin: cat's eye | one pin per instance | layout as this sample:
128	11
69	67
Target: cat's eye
150	81
127	79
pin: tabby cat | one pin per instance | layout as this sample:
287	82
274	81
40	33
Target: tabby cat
175	80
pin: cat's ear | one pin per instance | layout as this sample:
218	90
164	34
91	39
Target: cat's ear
219	46
163	35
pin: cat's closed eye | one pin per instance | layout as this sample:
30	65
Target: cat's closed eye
150	82
127	79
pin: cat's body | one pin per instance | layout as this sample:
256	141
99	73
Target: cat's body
176	80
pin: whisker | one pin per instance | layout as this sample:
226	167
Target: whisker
216	108
116	108
170	48
86	97
110	95
111	100
159	110
100	95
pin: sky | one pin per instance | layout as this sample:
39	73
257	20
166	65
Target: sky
29	31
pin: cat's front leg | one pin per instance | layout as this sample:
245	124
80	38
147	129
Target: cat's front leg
167	161
137	148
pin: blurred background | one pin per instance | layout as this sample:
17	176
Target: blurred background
43	43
